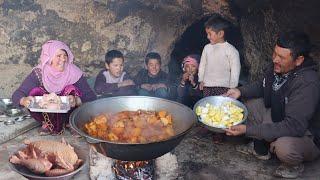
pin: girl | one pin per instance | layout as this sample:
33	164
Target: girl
188	88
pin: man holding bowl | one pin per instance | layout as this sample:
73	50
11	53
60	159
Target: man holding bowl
281	107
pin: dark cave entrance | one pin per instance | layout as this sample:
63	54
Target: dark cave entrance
193	40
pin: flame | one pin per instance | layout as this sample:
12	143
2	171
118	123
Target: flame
132	168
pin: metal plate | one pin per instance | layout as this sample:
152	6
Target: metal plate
2	114
6	102
14	112
19	119
8	110
22	118
64	108
9	122
216	101
81	152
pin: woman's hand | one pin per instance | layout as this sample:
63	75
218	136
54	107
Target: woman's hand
74	101
26	101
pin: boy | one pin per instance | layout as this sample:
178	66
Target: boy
152	81
219	67
113	81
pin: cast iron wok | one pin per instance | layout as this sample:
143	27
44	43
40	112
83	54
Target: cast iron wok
183	120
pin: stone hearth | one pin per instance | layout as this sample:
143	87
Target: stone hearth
166	166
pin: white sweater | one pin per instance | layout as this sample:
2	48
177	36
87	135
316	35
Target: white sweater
219	65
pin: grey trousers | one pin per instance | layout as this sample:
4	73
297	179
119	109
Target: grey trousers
289	150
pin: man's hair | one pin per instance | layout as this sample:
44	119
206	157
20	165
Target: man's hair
152	55
297	42
216	24
110	55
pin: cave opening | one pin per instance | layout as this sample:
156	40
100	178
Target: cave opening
193	40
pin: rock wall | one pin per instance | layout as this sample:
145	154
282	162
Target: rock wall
137	27
91	28
261	21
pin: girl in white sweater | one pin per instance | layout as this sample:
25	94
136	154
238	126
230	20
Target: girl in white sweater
219	67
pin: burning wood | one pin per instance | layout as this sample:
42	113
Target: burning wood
134	169
165	167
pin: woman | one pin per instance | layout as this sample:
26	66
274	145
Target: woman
57	74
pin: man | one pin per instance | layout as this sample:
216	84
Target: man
282	106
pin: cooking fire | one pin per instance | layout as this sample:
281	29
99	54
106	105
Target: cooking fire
142	170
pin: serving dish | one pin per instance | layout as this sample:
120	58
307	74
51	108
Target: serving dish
64	106
218	101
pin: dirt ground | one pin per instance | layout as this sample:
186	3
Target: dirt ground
198	158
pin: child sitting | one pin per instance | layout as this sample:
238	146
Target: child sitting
113	81
152	81
188	89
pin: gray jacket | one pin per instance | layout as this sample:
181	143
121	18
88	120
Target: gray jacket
298	101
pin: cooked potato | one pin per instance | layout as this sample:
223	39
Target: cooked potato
162	114
132	126
222	116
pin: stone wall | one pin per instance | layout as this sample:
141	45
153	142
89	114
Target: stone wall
261	21
137	27
91	28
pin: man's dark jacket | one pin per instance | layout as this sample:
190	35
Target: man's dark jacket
296	102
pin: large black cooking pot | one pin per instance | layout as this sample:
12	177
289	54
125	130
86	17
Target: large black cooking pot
183	120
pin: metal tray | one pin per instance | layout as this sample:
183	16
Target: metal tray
81	152
64	108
